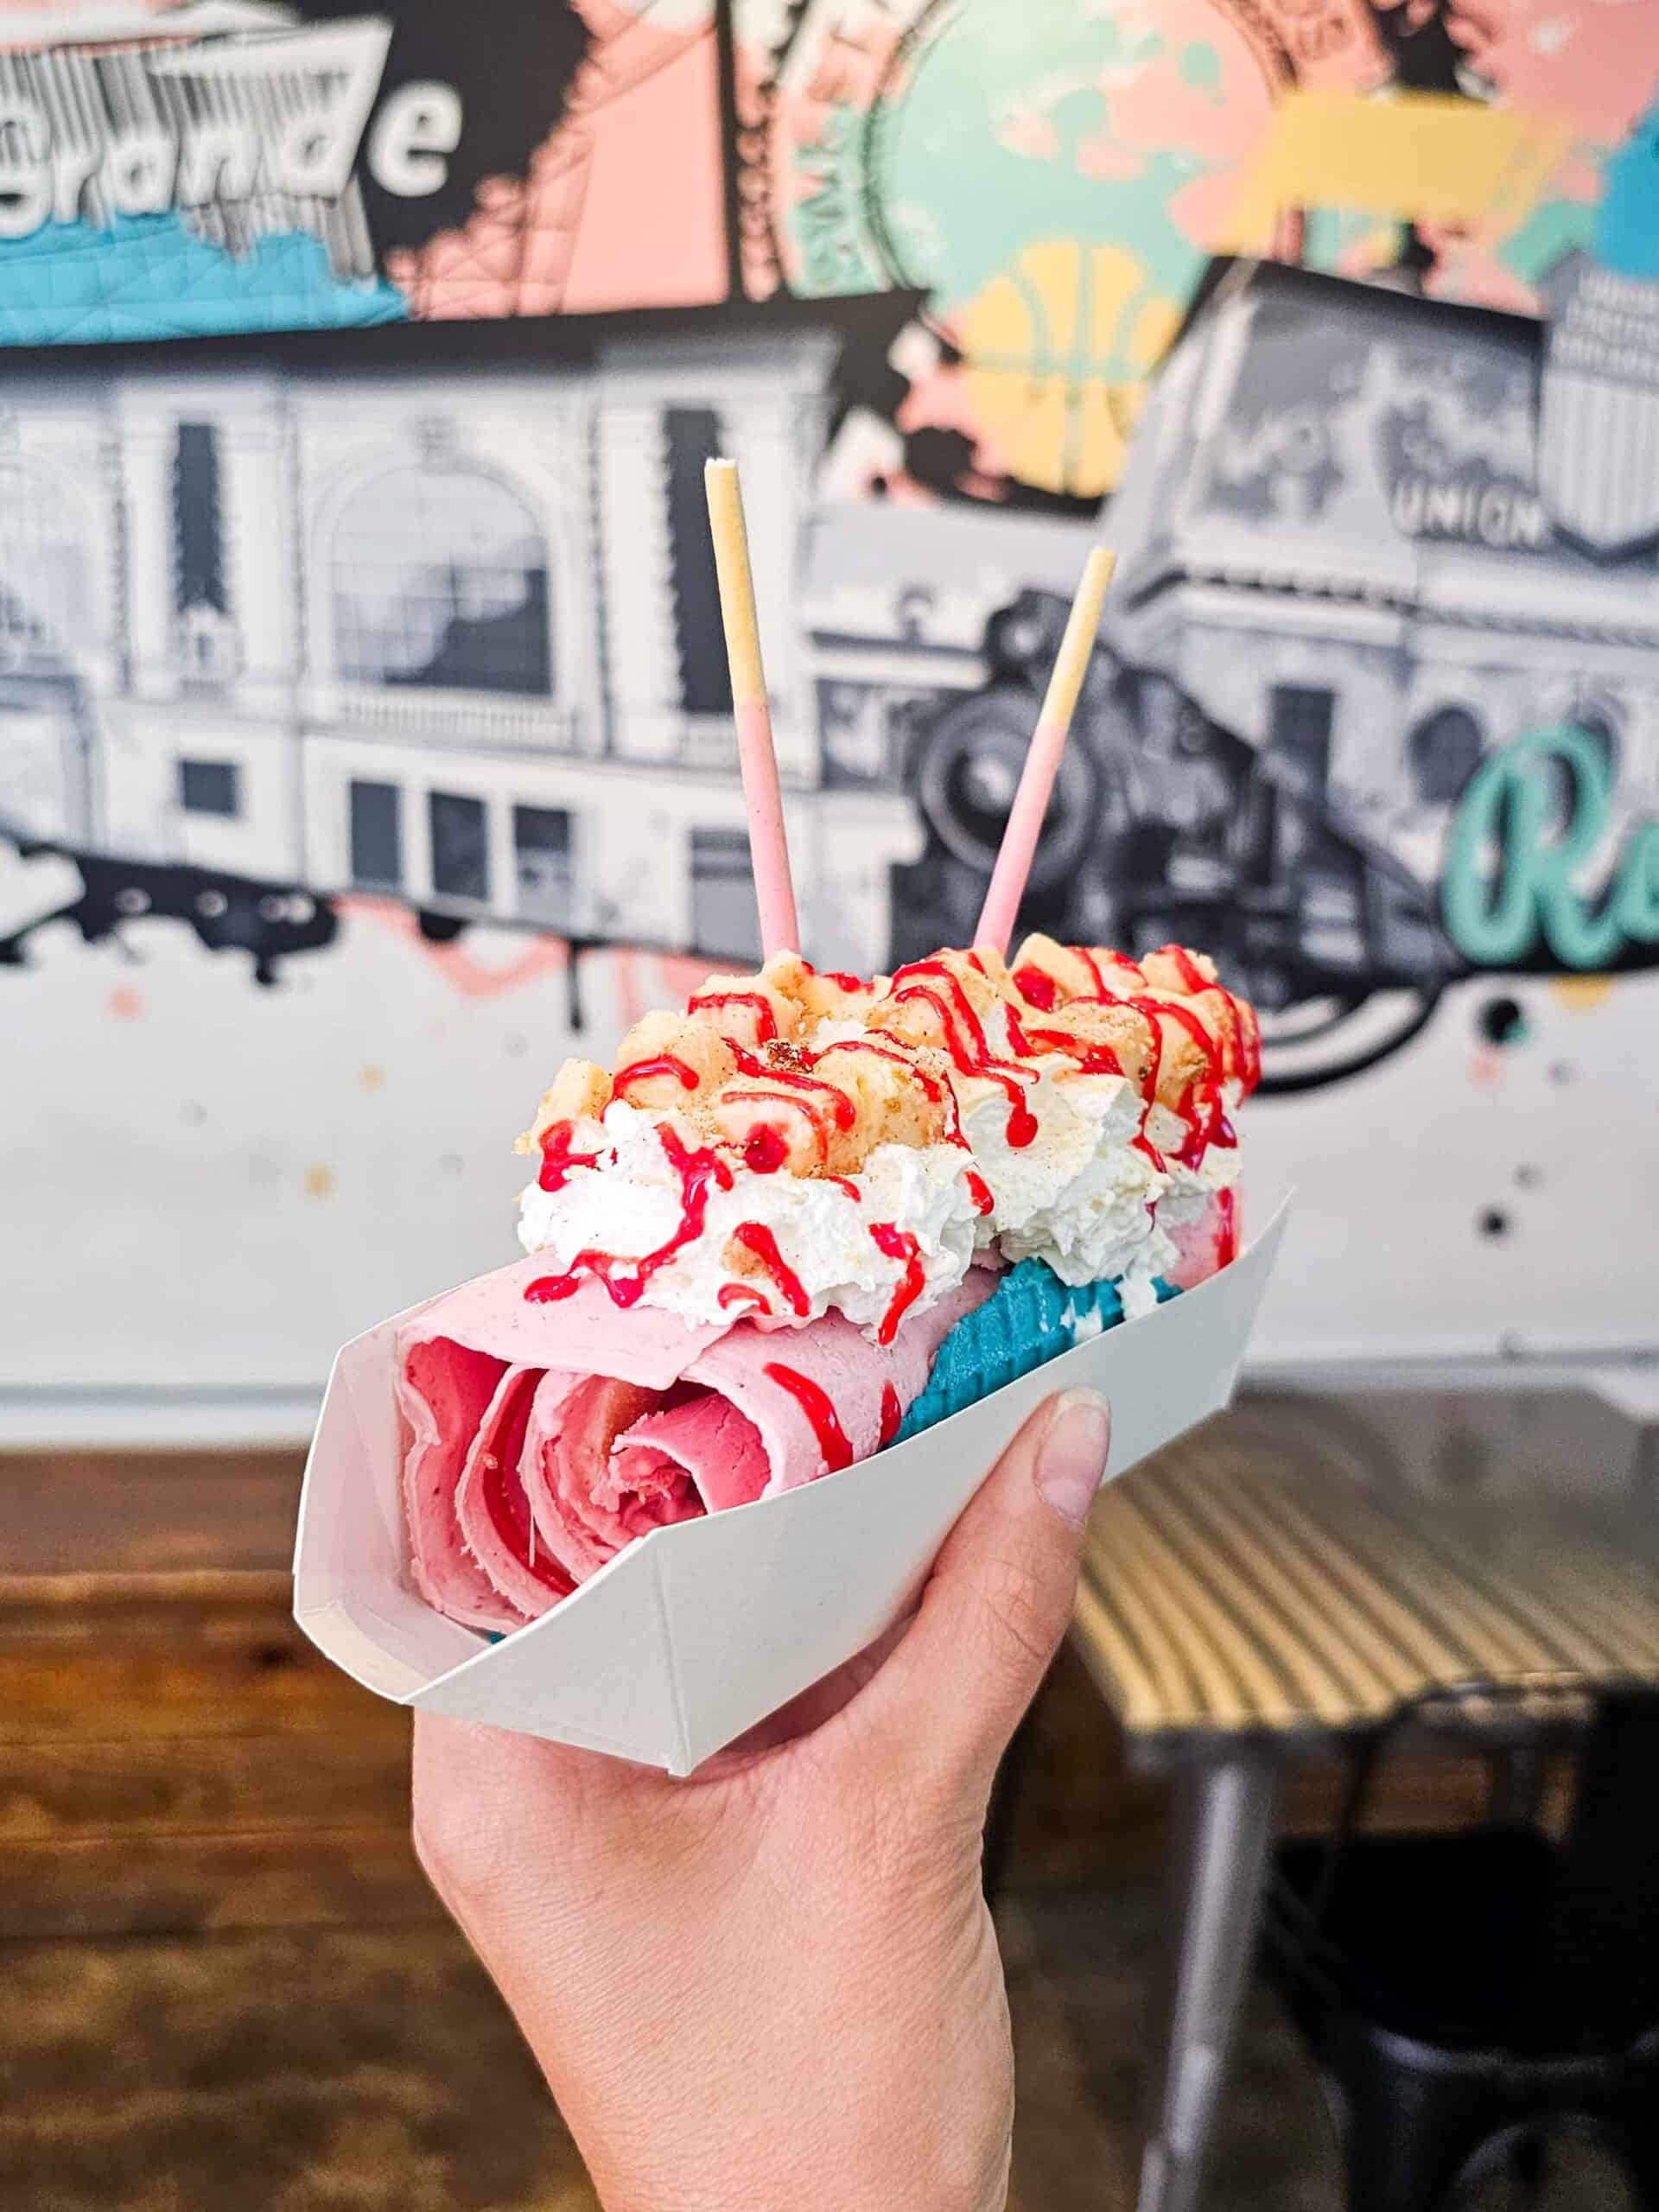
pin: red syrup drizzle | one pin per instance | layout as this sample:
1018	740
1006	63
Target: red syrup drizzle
842	1112
972	1056
506	1503
766	1021
1082	952
1250	1046
1090	1058
843	981
979	1191
893	1415
557	1158
754	1237
1227	1239
1038	985
898	1244
764	1150
844	1183
698	1170
1144	1144
735	1294
816	1404
1193	978
665	1064
937	1093
1200	1105
1246	1045
930	1086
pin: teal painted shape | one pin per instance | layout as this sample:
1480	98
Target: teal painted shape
1627	219
146	276
1030	1318
961	196
1201	68
1554	229
1330	233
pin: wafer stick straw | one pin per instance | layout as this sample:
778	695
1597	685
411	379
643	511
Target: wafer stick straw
768	847
1025	824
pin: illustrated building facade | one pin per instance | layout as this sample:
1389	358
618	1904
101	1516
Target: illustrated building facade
1332	539
448	636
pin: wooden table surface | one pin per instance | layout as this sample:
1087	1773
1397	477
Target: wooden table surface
1230	1589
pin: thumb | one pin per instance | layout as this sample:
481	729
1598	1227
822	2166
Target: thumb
998	1600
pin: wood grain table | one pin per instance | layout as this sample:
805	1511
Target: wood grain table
1242	1606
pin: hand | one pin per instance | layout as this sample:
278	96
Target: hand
775	1984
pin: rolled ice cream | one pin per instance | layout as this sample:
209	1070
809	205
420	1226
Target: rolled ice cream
754	1243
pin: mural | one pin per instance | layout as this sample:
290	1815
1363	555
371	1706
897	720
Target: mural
364	729
173	170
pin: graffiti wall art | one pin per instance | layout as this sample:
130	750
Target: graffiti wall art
363	730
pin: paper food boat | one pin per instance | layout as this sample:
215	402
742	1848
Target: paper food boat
697	1631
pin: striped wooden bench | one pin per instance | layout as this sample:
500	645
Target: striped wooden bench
1227	1590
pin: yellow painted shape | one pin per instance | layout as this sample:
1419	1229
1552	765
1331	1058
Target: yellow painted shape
1416	157
1581	993
1038	343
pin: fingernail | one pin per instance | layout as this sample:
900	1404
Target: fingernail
1071	1457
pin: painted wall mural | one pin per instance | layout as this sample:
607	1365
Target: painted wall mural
363	732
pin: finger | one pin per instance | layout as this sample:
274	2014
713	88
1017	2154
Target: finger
996	1604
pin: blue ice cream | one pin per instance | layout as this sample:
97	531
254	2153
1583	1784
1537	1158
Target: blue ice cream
1030	1318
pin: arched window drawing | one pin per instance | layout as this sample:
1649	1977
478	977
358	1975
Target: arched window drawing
1443	752
440	578
45	570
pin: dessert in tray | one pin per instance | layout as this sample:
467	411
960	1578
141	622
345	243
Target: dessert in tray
797	1223
806	1217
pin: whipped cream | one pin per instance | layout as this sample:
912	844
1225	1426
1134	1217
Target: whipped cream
1080	1195
1191	1190
1083	1196
631	1204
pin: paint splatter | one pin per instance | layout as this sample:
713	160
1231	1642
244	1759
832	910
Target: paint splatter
318	1181
373	1078
1494	1222
1503	1022
473	970
125	1004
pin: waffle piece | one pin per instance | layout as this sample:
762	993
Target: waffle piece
671	1060
579	1091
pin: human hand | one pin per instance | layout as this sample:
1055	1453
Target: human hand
775	1984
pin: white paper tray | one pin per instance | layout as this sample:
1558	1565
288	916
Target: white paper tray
697	1631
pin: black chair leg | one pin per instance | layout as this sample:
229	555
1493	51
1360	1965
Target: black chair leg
1411	2137
1529	2164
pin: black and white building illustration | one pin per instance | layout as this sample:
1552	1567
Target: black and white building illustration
452	637
286	633
1339	591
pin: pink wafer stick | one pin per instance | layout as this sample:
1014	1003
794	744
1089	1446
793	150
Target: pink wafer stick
1025	825
774	890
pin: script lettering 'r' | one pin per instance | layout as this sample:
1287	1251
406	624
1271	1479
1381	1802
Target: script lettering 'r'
1514	872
